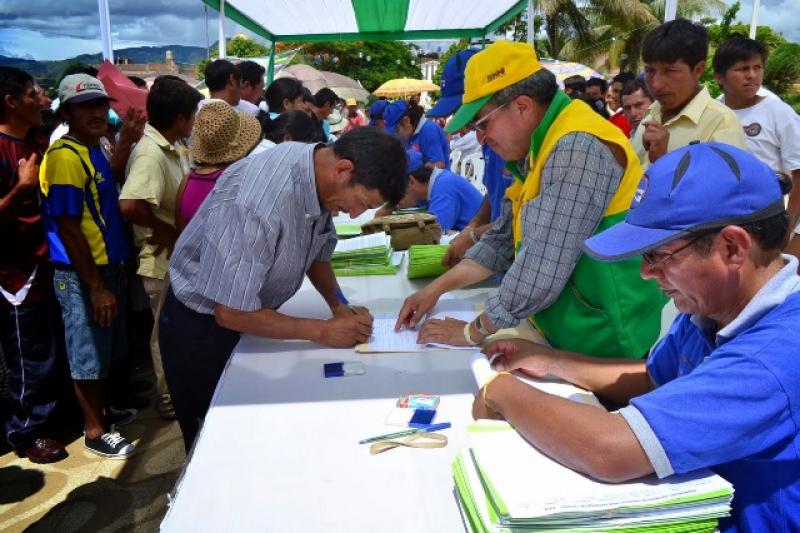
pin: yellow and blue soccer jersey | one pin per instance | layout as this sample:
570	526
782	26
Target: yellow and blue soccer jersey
77	182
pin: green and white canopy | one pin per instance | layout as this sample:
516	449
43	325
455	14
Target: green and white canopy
324	20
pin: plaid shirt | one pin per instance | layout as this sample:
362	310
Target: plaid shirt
578	181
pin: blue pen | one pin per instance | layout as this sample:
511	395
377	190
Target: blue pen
406	433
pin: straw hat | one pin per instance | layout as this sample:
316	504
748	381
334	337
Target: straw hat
223	135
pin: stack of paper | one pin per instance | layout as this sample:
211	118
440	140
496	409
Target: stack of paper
425	260
365	255
504	484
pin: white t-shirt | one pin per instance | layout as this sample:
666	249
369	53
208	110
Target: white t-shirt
244	106
772	131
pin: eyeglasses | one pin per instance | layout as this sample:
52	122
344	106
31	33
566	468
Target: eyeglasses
480	125
654	259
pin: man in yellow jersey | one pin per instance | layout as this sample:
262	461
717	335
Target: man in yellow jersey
577	176
87	245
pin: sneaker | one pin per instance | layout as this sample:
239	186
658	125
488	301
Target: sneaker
120	417
111	445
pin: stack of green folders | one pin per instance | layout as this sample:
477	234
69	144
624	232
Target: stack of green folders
506	485
365	256
346	231
425	260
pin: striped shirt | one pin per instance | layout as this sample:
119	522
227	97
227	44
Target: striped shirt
255	236
579	179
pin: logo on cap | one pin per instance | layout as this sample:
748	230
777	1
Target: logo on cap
641	192
496	74
87	86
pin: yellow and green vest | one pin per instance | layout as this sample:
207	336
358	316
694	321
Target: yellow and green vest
605	309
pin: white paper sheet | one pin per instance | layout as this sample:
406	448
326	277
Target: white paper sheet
372	240
385	339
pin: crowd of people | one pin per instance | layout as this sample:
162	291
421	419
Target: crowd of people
602	201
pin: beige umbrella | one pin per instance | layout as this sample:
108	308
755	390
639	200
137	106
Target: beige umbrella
345	87
315	80
405	87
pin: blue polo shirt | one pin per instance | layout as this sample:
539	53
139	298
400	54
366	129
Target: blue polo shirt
730	401
496	179
431	141
452	199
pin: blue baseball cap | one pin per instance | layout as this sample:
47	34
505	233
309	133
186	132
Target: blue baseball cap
393	113
452	84
376	111
414	161
698	187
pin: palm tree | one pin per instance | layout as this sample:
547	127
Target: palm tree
619	27
606	31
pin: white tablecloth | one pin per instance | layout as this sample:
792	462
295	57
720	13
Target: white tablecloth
279	452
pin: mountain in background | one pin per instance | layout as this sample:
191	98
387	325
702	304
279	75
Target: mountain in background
47	72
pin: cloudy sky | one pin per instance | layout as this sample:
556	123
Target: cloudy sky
42	29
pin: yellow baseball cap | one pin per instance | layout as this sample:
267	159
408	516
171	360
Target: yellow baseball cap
500	65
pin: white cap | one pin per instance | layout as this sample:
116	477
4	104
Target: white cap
77	88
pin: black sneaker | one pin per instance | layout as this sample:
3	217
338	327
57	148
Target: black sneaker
120	417
111	445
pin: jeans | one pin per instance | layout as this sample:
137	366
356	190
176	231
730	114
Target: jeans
90	348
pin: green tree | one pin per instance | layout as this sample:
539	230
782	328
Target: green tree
783	68
239	45
606	31
370	62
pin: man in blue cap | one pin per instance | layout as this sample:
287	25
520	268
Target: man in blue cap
450	197
721	390
376	113
496	177
407	122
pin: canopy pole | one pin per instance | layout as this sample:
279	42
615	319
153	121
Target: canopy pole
271	74
754	20
483	41
670	10
105	30
530	22
221	25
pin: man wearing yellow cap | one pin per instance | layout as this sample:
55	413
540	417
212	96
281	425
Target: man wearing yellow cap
575	175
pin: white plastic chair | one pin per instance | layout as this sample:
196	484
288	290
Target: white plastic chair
455	160
472	168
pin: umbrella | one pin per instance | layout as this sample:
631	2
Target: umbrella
345	87
565	69
404	87
315	80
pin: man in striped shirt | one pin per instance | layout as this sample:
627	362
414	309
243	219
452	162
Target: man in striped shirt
265	226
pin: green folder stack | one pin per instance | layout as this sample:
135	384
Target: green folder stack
367	255
506	485
425	260
345	231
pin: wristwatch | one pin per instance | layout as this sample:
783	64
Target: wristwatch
474	236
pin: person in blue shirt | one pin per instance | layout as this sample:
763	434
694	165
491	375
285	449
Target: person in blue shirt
496	177
722	389
418	133
376	113
450	197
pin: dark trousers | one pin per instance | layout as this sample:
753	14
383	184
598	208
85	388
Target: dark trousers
32	338
194	351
